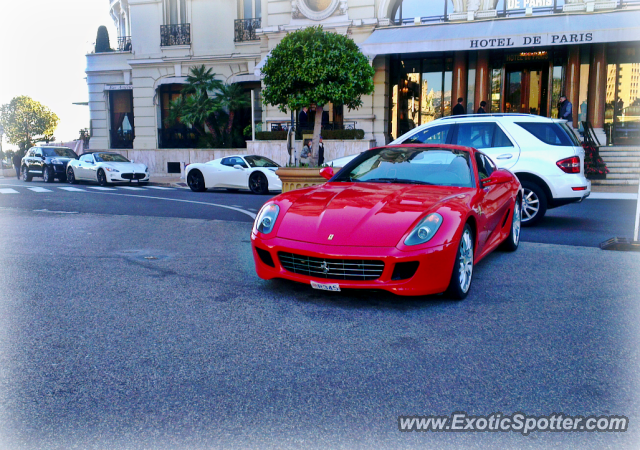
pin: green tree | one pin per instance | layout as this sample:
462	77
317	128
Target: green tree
313	66
26	121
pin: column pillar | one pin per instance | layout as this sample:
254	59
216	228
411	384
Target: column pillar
572	81
460	73
482	79
597	86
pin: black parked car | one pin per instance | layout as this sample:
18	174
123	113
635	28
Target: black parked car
46	162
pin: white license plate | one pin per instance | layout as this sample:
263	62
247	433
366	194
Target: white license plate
326	286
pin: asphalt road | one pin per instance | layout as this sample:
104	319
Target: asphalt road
127	323
583	224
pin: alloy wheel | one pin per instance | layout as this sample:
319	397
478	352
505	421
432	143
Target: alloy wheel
258	184
195	181
466	261
530	205
71	178
517	219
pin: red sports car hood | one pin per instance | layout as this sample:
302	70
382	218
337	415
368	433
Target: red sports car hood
362	214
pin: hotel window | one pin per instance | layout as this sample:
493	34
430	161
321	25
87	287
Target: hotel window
175	12
122	129
407	10
252	9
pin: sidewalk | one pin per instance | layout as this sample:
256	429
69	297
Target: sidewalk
176	182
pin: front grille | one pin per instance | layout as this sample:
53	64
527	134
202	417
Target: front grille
133	176
334	269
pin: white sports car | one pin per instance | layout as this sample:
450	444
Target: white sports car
105	168
254	172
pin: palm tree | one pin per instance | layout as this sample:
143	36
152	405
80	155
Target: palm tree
233	99
202	80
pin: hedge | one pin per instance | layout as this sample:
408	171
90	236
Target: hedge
326	134
271	135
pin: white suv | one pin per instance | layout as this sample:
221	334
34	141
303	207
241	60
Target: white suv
544	153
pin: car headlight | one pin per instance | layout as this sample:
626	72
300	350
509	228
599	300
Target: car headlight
425	230
110	169
266	218
56	161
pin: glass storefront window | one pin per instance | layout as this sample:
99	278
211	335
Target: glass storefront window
584	86
496	87
471	84
420	93
622	101
556	90
121	107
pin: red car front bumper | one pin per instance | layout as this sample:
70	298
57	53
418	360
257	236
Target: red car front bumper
431	277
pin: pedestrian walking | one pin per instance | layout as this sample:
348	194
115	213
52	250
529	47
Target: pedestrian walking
458	110
481	109
565	110
320	152
17	161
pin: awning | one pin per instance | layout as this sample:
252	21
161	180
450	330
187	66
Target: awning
537	31
258	69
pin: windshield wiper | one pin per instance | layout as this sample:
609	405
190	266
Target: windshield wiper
397	180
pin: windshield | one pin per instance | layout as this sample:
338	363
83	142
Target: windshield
259	161
63	152
109	157
428	166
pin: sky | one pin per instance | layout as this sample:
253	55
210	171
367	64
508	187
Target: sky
43	44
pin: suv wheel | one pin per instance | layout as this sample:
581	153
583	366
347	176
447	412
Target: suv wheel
26	176
47	174
534	204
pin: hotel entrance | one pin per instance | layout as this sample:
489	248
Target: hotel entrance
526	88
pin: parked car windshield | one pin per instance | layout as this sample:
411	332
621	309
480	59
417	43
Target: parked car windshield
260	161
63	152
109	157
428	166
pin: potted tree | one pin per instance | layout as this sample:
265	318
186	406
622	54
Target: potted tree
315	67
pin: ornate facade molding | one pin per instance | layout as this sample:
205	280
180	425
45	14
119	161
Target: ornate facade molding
317	9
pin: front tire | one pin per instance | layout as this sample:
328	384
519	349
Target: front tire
47	174
71	176
463	267
195	180
534	204
26	176
258	183
102	178
513	240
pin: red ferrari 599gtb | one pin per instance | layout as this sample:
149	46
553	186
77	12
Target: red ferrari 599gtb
409	219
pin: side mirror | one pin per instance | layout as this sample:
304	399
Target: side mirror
498	177
327	173
238	166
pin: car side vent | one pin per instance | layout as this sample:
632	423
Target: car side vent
405	270
504	222
265	257
173	167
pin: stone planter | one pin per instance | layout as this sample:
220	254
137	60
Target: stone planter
299	177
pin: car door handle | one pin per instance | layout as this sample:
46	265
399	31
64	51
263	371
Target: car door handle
505	156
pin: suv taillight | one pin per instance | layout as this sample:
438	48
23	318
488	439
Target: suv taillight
569	165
